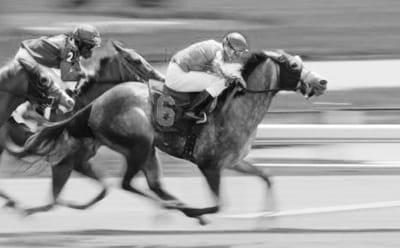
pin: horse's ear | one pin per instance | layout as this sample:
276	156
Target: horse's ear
118	46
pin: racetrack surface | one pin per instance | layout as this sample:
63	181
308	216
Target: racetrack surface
351	211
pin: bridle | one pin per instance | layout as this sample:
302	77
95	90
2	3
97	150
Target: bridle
298	87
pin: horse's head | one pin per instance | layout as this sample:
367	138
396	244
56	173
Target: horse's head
307	83
293	75
114	64
46	81
311	83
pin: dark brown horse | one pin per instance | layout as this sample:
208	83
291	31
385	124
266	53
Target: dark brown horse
17	80
110	65
121	119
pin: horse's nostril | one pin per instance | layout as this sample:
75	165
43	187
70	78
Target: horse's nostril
70	103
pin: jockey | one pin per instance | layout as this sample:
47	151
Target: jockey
200	68
61	52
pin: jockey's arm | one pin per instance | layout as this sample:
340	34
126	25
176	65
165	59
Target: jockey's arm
221	68
217	66
71	72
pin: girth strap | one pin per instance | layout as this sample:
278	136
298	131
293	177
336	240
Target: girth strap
189	147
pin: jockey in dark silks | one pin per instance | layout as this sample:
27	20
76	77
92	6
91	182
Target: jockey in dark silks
201	67
60	52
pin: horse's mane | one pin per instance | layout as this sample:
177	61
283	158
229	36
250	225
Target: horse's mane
101	55
100	58
8	70
252	62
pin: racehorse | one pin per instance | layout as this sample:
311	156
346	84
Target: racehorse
122	119
16	86
17	80
110	65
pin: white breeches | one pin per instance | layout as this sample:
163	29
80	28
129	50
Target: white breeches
193	81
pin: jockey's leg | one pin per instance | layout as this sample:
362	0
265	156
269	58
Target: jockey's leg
203	101
209	85
192	81
199	107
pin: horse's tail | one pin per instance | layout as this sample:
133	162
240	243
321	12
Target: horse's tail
48	139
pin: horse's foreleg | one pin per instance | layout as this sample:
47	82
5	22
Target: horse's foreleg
60	174
249	169
212	173
85	168
10	203
87	150
133	166
152	172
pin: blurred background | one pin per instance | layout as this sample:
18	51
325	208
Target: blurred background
354	44
318	30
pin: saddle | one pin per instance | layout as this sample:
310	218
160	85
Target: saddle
168	107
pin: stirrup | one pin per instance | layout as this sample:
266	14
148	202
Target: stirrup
200	118
203	120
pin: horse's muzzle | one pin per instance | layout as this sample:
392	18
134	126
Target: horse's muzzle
317	88
67	102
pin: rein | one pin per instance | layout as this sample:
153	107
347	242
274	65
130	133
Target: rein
268	90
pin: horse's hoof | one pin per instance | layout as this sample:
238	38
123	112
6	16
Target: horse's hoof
26	212
10	204
173	204
203	221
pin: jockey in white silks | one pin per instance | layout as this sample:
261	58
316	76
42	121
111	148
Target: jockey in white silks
202	67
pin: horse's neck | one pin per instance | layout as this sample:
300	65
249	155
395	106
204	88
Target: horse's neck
104	79
247	111
95	91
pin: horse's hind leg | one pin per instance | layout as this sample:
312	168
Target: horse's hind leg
248	168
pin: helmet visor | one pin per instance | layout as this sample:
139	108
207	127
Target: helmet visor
236	50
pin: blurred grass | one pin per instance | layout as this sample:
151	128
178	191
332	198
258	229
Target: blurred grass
316	29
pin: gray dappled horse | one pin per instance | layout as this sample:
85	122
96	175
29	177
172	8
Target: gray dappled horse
122	119
108	67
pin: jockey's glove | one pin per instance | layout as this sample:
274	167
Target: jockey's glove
81	75
238	81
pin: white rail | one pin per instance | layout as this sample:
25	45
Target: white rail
304	134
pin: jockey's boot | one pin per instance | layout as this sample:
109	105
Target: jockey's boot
197	111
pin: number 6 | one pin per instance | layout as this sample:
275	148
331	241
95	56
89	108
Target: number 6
165	115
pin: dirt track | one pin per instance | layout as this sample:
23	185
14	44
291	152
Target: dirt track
359	211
